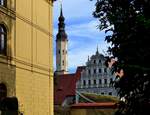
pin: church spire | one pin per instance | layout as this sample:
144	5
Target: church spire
61	26
61	12
61	17
61	46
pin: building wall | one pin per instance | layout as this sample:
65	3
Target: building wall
29	60
7	66
7	76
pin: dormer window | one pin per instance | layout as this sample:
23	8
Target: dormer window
3	39
3	3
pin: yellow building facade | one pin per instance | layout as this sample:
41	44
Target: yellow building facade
26	54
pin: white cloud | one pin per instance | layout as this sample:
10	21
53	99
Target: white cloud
87	30
79	33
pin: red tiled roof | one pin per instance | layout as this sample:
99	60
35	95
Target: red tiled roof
66	86
95	105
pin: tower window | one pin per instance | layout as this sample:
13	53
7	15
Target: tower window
3	39
63	52
63	62
3	3
59	51
3	91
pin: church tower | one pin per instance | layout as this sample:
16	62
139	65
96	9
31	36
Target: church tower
61	47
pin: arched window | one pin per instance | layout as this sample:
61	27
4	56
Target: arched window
3	3
3	39
3	91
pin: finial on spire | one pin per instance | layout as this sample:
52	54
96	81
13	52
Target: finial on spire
88	58
61	17
61	12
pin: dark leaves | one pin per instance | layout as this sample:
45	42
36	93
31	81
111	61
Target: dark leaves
130	44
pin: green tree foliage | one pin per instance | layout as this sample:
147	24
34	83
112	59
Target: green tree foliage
129	23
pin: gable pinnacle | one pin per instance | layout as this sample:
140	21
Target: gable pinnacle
97	52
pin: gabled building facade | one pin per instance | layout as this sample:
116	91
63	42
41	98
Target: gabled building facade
96	77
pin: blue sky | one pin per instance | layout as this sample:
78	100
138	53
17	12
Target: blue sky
81	28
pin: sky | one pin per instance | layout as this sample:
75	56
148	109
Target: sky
81	28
